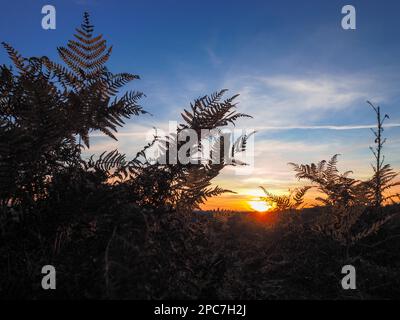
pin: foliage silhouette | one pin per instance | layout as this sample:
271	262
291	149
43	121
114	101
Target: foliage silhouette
127	228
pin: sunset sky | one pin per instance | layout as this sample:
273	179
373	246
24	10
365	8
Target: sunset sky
302	77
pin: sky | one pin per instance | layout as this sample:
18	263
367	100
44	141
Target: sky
303	78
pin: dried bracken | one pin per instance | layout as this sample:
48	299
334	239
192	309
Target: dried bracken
131	229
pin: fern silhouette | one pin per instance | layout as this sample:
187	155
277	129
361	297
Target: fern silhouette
338	188
130	227
90	88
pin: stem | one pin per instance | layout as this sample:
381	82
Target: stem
378	195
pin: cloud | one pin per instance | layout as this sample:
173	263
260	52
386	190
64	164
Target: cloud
278	103
131	139
326	127
298	101
214	58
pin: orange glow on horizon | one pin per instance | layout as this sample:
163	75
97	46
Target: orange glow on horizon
259	205
248	200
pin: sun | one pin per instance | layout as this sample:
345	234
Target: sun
259	205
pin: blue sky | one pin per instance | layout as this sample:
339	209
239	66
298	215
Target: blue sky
291	61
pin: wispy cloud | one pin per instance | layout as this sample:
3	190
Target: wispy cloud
301	100
326	127
278	103
214	58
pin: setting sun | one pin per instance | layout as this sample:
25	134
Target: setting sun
259	206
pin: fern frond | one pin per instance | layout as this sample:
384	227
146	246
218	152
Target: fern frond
16	58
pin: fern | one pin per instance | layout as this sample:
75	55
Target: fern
338	188
89	86
210	112
293	201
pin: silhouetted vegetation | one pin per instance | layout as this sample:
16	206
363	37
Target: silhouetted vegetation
128	228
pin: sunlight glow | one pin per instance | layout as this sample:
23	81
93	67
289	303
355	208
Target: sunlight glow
259	206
